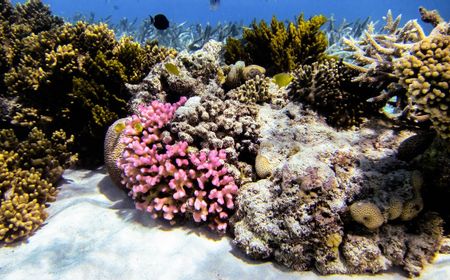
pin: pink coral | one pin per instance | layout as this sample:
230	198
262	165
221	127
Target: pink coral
166	179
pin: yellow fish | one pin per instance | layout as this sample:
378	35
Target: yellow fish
282	79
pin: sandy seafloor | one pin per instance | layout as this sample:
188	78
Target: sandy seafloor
94	232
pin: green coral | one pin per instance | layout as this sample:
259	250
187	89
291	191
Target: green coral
327	86
279	48
69	77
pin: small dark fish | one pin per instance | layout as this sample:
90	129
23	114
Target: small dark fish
115	7
160	22
214	4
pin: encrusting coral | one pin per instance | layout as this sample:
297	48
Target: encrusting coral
279	48
168	179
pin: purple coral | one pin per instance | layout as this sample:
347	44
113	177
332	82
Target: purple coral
168	180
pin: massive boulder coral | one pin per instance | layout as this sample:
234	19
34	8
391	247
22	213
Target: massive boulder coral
208	122
279	48
327	86
170	180
301	214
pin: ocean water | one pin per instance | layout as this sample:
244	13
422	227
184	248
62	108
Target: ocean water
201	11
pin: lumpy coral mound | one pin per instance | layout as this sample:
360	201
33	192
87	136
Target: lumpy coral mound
332	205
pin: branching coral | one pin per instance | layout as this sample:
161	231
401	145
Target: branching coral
23	198
328	87
168	179
48	156
425	73
70	77
254	91
279	48
410	66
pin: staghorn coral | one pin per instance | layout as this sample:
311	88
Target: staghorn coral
279	48
327	86
397	60
167	179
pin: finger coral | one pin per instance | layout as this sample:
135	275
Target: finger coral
24	195
425	75
167	179
279	48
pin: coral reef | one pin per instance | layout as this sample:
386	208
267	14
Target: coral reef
279	48
69	77
327	86
409	66
113	149
168	179
326	183
435	166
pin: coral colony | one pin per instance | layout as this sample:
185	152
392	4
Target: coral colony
167	179
315	156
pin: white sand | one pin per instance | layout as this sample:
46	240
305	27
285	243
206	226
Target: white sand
94	232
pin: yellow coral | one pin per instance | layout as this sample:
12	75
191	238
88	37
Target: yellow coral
334	240
19	217
279	48
367	213
113	149
412	208
425	74
395	208
263	166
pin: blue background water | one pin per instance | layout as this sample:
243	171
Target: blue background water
200	11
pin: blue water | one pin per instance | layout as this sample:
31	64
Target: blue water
200	11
